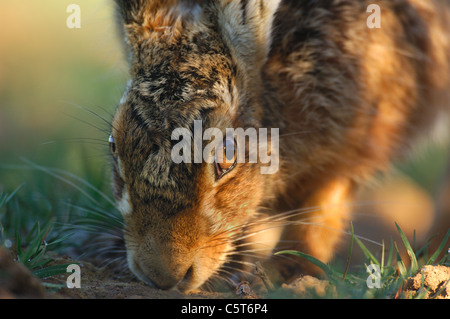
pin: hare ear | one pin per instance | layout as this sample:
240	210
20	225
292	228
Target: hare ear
246	26
141	20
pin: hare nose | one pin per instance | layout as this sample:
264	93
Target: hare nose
165	278
170	280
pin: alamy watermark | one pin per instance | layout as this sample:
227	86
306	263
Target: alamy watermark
374	279
260	147
374	19
74	19
74	279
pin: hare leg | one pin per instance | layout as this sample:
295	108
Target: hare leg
318	231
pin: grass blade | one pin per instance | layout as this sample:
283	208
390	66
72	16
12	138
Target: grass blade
5	199
328	271
439	250
350	250
409	250
51	271
19	246
59	240
367	252
391	251
400	264
40	264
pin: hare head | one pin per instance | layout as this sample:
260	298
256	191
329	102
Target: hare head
189	61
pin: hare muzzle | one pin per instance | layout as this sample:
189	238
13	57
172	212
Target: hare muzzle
176	252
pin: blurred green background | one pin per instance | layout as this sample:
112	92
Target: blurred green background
56	86
49	74
58	89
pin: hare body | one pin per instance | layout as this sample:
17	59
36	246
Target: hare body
347	99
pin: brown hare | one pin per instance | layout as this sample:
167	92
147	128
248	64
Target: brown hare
345	98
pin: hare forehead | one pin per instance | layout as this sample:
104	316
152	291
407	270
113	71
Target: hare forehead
183	76
167	94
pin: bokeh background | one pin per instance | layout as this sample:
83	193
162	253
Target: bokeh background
49	74
58	90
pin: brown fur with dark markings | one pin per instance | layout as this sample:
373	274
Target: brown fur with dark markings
347	99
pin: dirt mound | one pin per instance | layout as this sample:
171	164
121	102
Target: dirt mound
430	282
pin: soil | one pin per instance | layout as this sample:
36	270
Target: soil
16	281
431	282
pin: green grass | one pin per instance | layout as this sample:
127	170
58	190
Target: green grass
392	270
55	212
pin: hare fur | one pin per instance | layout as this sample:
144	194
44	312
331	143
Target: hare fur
347	99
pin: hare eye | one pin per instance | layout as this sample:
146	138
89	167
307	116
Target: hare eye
226	156
112	144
